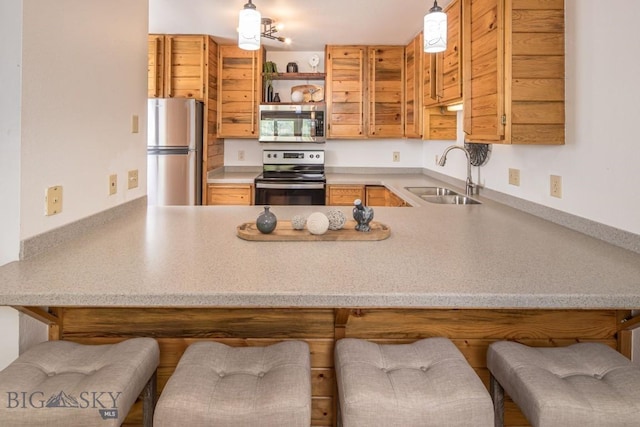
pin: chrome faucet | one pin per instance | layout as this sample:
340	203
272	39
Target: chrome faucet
443	159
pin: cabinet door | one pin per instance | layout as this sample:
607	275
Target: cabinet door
536	74
376	195
429	80
413	88
483	35
386	91
345	89
155	66
450	61
239	91
185	67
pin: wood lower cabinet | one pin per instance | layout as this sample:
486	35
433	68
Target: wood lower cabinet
379	195
344	195
230	194
471	330
514	71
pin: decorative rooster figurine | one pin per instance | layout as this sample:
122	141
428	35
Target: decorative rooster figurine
363	215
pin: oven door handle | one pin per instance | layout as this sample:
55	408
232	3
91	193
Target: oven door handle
290	186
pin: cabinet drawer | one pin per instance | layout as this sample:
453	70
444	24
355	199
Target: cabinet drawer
344	195
230	194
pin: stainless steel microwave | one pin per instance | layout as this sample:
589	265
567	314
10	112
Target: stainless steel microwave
292	122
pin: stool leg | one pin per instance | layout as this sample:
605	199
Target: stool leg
149	400
497	395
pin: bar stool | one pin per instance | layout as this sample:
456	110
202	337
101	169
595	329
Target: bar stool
215	384
61	383
582	385
426	383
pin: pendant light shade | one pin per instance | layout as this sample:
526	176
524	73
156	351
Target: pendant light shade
435	30
249	27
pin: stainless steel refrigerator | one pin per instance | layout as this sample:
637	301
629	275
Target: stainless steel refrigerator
174	152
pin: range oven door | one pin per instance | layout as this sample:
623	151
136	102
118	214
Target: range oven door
277	193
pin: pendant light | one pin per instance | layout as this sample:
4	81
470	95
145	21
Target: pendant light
249	24
435	30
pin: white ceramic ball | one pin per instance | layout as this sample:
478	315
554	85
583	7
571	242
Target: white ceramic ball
337	219
298	221
297	96
317	223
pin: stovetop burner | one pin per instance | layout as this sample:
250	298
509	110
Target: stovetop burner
292	166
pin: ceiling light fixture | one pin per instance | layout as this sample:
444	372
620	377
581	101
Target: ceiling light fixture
435	30
249	27
270	27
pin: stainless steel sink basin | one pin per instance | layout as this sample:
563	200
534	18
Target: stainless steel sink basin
431	191
442	195
454	199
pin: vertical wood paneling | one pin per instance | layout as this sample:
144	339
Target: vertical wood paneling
471	330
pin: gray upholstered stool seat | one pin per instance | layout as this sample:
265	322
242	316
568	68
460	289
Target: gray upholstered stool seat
426	383
586	384
218	385
65	384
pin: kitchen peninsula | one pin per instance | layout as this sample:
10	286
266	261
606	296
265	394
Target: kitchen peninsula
474	273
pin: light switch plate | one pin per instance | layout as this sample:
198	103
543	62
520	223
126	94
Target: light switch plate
132	181
514	177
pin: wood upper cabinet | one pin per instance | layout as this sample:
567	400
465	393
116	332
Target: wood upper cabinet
345	91
413	55
514	71
365	91
442	72
177	66
386	91
155	66
239	91
449	62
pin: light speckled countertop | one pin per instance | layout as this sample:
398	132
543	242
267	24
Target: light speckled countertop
484	256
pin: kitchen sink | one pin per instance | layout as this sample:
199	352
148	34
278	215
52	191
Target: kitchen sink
431	191
442	195
454	199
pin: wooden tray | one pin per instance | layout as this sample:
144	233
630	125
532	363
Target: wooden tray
284	232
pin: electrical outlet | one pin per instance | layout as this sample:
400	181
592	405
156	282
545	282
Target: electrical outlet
555	182
53	200
396	156
132	181
135	124
113	184
514	177
241	155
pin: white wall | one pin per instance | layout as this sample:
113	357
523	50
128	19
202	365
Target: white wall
73	74
84	76
10	76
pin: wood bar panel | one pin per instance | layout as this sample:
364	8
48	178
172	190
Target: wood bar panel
471	330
